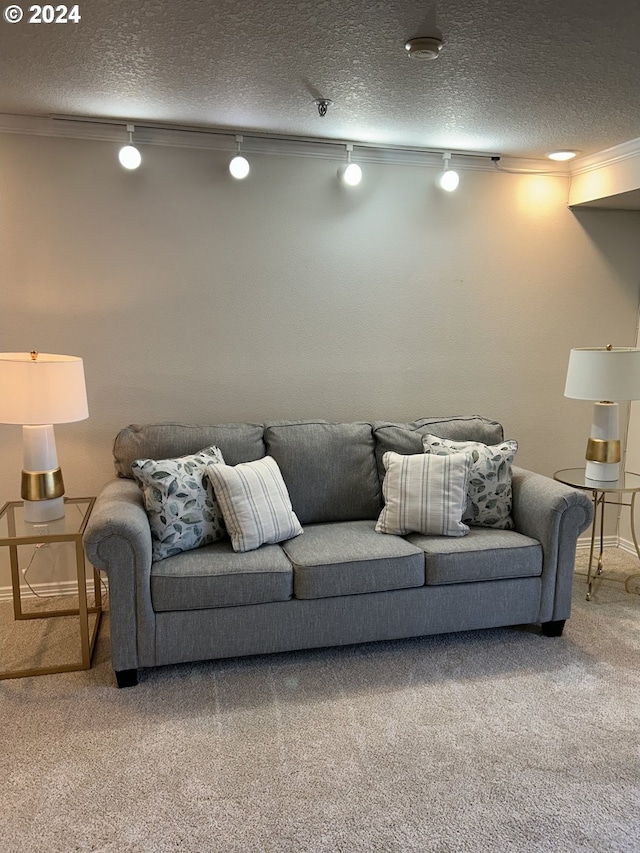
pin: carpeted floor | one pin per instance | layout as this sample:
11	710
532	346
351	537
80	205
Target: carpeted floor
498	740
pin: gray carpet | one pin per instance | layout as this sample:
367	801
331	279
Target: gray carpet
498	740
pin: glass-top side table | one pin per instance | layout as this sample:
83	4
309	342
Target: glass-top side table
15	531
627	484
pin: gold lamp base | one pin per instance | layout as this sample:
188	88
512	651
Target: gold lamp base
42	485
606	451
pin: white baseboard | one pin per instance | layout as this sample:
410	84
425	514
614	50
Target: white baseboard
49	590
627	545
584	543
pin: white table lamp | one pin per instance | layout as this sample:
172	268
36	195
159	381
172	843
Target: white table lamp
605	375
38	390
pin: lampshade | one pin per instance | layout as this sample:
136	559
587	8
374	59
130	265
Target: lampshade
603	373
41	388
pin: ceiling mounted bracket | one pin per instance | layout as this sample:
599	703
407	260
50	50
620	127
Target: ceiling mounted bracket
323	105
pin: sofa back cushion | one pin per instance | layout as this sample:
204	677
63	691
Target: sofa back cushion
238	443
407	438
329	468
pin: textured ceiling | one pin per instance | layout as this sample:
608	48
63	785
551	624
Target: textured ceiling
517	78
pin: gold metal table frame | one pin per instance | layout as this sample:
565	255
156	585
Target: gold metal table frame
628	483
65	530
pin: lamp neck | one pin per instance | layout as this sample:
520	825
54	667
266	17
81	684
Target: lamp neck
39	447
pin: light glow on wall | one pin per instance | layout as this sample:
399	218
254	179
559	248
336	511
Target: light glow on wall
538	194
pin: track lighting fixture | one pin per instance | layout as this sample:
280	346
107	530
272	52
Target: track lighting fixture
448	179
239	165
129	155
350	173
198	137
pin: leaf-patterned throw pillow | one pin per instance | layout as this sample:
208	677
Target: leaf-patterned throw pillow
489	496
180	502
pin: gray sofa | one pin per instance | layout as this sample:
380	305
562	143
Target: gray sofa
340	582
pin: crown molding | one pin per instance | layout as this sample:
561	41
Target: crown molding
223	139
618	153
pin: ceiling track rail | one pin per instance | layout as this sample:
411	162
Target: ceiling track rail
277	137
204	137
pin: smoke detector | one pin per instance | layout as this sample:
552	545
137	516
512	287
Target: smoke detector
424	47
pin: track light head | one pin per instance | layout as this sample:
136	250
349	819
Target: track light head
129	156
350	173
448	179
239	165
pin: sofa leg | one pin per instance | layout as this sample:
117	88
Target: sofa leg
127	677
553	629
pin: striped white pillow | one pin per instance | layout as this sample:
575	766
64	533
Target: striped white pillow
424	493
255	503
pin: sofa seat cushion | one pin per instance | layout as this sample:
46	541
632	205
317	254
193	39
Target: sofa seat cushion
483	554
217	576
349	557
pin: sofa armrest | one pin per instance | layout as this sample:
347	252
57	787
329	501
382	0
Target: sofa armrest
117	540
555	515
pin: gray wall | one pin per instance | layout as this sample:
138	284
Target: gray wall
194	297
